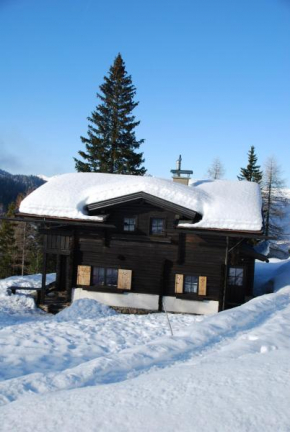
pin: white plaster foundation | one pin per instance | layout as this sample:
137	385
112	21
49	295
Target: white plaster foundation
205	307
149	302
126	300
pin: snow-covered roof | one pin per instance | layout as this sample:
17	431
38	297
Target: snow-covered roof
223	204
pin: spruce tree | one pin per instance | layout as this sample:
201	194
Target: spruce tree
252	173
111	145
7	245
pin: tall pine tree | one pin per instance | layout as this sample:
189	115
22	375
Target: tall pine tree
252	173
111	145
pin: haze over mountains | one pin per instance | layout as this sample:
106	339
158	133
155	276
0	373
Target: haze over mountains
11	185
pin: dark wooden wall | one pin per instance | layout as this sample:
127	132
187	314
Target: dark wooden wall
154	260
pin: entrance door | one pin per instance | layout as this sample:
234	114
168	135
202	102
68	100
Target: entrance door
236	286
61	277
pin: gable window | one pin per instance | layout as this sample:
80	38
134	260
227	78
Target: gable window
190	284
129	224
157	226
236	276
105	276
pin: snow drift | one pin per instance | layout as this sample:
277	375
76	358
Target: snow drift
226	372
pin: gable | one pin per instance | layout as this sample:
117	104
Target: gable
94	208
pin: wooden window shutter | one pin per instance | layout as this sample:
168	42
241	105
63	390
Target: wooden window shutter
124	279
178	283
84	275
202	281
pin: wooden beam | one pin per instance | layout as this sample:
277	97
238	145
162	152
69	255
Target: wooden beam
43	279
226	275
54	220
225	233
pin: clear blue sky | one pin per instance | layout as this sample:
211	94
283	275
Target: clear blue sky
212	78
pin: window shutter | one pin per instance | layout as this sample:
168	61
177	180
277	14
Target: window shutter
84	275
202	285
124	279
178	283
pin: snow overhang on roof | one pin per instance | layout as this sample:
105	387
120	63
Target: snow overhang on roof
224	205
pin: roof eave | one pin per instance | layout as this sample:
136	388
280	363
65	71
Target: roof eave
27	217
224	232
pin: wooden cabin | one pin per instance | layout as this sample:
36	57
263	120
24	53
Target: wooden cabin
141	243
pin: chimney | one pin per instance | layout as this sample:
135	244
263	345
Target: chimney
179	175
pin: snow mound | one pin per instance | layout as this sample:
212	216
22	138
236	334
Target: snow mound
223	204
271	277
30	281
227	371
85	309
17	303
281	278
18	309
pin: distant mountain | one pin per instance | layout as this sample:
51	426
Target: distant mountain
43	177
12	185
5	173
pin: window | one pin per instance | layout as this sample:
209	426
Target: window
157	226
98	276
190	284
236	276
129	224
105	276
111	277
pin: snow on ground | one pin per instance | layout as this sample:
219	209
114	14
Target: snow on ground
32	281
90	368
266	275
20	308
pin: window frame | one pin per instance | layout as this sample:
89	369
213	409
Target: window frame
235	276
191	284
163	233
105	285
201	287
135	224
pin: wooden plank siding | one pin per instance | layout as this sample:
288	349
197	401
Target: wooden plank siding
58	242
145	260
201	256
153	259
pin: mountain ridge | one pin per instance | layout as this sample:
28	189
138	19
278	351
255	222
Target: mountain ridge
11	185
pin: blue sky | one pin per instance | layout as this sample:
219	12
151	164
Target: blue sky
212	79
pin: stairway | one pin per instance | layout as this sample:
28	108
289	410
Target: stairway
54	301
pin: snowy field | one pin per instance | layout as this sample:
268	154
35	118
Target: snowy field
92	369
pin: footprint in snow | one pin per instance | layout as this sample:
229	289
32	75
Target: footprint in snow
266	348
252	338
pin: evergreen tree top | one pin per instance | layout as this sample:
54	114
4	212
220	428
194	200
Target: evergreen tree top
111	145
252	172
